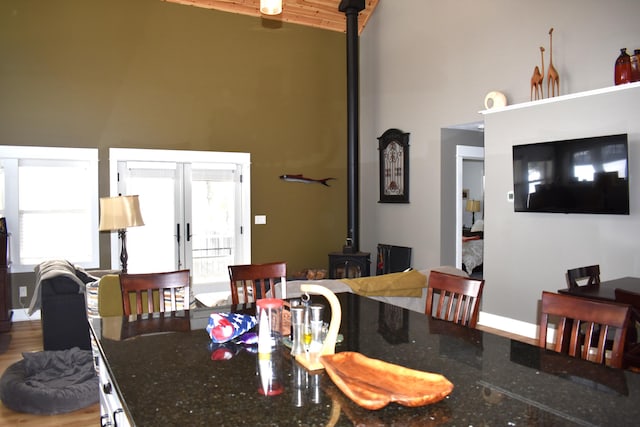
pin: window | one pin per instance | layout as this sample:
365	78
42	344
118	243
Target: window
2	181
49	198
540	172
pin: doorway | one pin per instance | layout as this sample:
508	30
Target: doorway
451	184
470	188
195	206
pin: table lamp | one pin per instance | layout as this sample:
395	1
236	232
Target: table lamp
120	213
473	206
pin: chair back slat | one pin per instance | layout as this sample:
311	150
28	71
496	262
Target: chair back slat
248	277
583	276
147	285
579	319
458	300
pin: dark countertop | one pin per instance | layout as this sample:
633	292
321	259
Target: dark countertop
606	290
171	379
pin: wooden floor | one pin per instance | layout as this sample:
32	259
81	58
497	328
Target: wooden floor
25	337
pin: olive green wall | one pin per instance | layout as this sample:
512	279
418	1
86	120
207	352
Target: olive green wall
151	74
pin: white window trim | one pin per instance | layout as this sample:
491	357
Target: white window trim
50	153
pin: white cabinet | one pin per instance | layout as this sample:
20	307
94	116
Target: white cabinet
111	412
111	407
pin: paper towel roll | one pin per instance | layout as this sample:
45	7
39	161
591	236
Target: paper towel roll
494	100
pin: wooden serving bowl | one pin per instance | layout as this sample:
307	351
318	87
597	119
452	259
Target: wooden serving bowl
373	383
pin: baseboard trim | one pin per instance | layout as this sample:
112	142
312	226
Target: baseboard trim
22	315
507	324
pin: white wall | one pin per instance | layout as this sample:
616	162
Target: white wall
428	64
538	248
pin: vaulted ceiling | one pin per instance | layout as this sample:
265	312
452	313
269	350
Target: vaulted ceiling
313	13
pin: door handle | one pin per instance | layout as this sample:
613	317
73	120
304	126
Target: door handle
115	416
178	240
188	232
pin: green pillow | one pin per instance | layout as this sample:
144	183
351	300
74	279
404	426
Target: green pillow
110	296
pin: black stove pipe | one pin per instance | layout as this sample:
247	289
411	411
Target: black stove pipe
351	8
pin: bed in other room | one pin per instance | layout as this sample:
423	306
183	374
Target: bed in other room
473	247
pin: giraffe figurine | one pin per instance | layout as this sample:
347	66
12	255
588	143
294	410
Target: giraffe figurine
553	79
537	78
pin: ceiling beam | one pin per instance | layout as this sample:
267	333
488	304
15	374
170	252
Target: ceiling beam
322	14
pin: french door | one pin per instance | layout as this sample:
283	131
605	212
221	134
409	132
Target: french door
196	213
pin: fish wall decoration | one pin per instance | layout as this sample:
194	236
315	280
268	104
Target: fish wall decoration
305	180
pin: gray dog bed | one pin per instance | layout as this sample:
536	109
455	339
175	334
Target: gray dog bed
50	382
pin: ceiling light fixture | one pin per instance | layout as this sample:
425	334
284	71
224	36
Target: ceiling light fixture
271	7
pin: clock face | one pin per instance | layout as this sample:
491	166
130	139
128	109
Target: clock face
393	159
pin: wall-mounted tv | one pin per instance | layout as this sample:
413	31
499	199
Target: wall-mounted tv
586	175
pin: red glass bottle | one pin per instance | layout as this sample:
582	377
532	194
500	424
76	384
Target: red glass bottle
623	68
635	66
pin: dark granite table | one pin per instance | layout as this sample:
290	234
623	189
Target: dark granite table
171	378
606	290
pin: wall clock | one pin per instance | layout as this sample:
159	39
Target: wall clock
393	147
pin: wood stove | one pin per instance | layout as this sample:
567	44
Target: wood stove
349	266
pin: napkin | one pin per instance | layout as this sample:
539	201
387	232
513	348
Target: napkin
224	327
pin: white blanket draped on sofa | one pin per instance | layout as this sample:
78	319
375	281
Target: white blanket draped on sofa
49	269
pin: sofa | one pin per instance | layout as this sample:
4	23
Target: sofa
60	296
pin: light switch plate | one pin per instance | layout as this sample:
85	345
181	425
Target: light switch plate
23	291
510	196
260	219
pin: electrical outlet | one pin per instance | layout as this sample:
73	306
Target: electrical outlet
23	291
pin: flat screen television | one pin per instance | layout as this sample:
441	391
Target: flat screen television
586	176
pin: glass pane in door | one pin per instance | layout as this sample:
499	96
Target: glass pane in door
2	198
191	219
152	247
213	222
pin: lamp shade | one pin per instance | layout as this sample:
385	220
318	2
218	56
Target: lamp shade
473	206
118	213
271	7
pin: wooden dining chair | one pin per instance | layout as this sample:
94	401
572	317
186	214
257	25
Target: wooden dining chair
583	276
160	289
459	298
597	317
632	350
162	322
246	279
